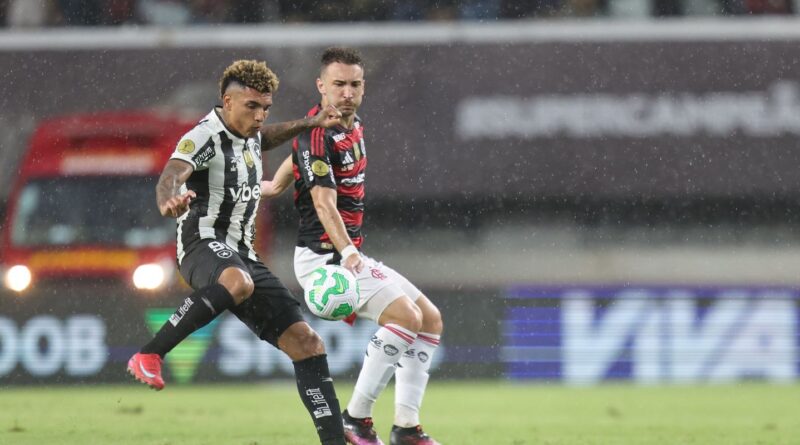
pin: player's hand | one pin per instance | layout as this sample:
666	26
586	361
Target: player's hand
327	117
354	263
177	205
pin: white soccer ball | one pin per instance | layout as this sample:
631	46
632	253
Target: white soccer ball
331	292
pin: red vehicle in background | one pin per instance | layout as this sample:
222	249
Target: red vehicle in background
83	203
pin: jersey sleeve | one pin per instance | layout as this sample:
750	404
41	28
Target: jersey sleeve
313	156
195	147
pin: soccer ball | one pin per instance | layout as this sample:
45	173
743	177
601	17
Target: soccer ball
331	292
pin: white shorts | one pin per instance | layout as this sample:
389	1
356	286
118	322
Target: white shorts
378	283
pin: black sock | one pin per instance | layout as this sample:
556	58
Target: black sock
315	386
197	310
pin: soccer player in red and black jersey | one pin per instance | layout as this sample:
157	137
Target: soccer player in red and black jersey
328	170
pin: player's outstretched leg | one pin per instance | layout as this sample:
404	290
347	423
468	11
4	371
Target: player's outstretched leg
197	310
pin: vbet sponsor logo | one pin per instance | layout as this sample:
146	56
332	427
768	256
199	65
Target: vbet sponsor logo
245	193
653	335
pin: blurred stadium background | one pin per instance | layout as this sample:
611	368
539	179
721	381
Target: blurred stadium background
592	190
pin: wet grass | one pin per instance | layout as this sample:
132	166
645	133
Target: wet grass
460	413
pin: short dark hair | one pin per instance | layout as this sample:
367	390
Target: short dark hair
250	73
347	56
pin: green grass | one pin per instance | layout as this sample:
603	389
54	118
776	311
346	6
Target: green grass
464	413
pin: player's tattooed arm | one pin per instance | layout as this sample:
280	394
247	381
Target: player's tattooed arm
280	182
273	135
171	202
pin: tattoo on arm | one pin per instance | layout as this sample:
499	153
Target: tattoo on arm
172	178
273	135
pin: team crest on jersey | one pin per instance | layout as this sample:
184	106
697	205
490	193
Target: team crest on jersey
248	159
253	145
320	168
185	146
357	151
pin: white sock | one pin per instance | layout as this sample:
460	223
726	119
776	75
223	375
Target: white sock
411	378
387	346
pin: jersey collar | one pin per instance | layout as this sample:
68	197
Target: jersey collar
342	128
230	130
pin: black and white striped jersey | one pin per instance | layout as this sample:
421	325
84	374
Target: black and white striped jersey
226	178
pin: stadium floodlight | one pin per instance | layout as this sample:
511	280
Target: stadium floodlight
18	278
149	276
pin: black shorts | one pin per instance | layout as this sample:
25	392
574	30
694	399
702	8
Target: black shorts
268	312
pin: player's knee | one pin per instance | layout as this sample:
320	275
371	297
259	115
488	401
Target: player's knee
404	313
410	318
313	345
242	290
432	320
302	342
238	282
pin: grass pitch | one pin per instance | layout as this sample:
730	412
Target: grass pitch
461	413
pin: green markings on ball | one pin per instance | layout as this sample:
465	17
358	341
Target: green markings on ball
312	297
330	294
342	311
323	275
341	283
341	286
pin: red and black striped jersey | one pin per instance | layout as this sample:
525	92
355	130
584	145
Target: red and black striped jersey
334	158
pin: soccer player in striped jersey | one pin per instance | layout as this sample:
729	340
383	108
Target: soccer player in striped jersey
211	184
327	167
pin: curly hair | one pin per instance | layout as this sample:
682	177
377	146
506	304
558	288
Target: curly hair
347	56
250	73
